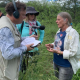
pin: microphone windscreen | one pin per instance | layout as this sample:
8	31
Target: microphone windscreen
42	27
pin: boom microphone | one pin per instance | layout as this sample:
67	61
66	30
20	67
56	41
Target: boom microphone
39	27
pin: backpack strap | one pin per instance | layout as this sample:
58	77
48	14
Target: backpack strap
22	26
36	23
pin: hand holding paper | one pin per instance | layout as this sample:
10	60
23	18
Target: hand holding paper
29	47
35	36
30	40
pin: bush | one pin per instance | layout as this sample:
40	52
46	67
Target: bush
3	10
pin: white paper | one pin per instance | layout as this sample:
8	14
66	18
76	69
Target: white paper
30	40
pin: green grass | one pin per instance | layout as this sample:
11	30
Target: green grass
41	67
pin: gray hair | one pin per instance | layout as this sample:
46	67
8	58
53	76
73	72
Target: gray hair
65	15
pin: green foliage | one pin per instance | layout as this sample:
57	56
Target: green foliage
47	10
73	7
77	27
4	2
77	75
41	67
3	10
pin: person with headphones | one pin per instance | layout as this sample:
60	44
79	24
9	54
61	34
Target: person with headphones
10	41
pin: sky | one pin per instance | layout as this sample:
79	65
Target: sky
29	0
35	0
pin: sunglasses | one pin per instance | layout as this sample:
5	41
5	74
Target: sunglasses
32	14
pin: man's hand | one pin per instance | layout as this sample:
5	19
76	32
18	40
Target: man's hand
29	47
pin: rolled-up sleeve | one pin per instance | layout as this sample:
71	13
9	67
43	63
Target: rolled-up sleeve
6	45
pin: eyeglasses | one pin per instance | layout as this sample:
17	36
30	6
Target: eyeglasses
32	14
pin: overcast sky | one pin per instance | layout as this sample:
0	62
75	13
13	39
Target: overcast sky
29	0
34	0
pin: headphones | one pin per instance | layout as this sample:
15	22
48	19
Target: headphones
16	12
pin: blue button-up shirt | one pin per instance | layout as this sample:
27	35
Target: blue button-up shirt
6	45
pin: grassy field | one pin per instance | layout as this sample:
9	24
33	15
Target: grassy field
41	67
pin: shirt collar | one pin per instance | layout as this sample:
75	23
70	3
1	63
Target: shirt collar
67	30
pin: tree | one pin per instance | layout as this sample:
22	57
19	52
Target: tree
4	2
73	7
